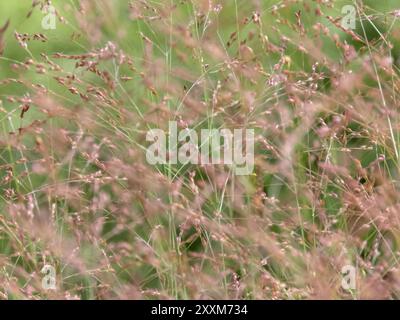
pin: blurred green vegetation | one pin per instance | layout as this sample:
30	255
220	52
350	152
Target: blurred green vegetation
128	35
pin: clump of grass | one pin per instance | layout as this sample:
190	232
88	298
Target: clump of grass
78	194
